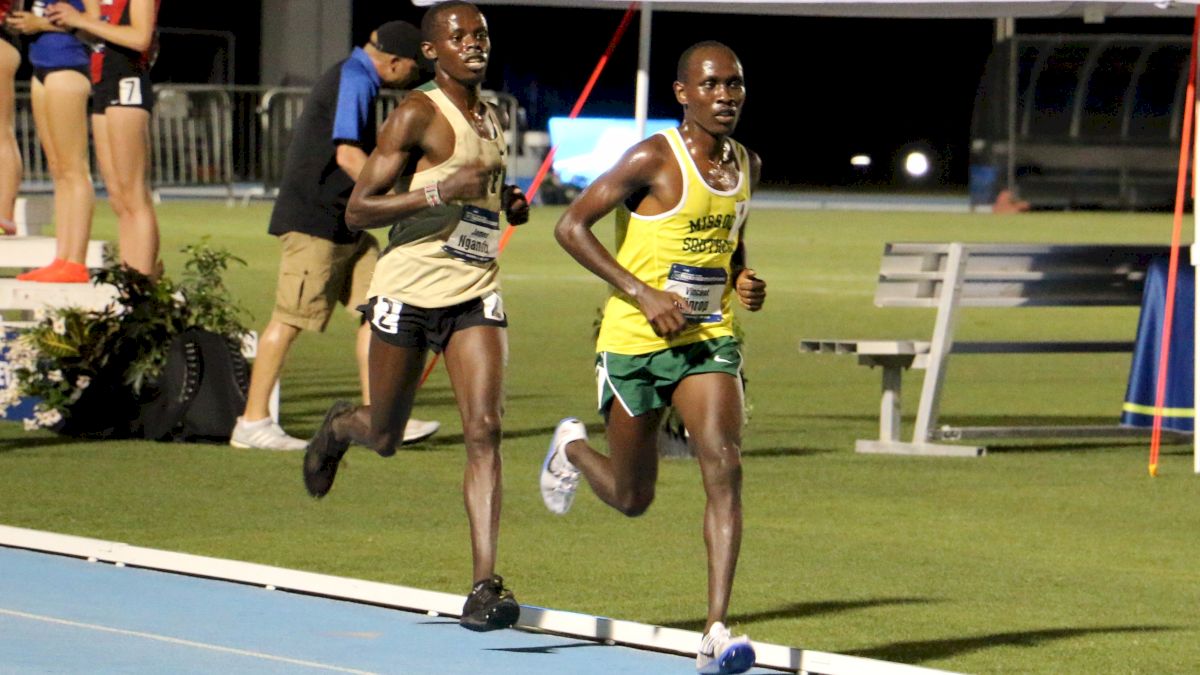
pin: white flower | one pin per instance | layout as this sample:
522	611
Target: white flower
82	382
55	376
59	325
30	424
22	353
48	418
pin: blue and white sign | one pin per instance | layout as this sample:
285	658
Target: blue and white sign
22	409
586	147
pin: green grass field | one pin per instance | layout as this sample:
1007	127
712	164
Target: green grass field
1048	557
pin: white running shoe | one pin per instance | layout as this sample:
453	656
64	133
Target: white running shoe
722	654
419	430
560	478
264	434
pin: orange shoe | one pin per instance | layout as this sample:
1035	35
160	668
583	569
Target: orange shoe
36	275
66	273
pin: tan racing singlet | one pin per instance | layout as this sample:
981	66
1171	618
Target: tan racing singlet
686	250
445	255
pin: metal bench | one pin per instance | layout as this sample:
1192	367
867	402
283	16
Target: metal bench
949	276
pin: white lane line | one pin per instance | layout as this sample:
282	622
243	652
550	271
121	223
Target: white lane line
177	641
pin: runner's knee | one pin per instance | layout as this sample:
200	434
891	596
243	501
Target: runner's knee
634	497
636	501
482	432
721	465
385	443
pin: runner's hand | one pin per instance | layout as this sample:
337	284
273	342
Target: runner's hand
516	206
664	311
751	290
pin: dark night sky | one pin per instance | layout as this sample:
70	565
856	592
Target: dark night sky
819	89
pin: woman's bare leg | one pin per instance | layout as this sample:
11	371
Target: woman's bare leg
10	154
60	113
122	137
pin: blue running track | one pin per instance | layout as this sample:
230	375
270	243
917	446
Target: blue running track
65	615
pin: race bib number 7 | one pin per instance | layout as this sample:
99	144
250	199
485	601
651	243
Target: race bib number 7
476	238
129	91
701	287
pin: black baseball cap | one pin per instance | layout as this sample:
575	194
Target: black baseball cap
401	38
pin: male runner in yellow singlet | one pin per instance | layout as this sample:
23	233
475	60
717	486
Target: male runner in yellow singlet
436	177
667	334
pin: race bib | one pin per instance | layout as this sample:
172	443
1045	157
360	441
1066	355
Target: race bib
476	238
701	287
129	91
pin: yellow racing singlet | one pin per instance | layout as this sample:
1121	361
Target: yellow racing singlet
686	250
445	255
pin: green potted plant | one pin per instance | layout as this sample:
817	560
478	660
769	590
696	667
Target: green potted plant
93	370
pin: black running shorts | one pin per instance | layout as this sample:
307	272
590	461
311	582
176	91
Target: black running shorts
404	325
122	85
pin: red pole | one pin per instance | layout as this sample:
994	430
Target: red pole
1160	393
583	97
545	167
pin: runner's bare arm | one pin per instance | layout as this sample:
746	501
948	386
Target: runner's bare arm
751	291
639	169
372	204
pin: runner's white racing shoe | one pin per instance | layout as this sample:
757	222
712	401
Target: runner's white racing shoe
560	478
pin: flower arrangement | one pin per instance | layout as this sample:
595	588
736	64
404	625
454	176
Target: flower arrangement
114	356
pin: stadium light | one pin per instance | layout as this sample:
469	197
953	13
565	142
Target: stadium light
916	164
860	161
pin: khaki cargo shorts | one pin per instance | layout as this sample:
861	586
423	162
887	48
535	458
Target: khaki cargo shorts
316	274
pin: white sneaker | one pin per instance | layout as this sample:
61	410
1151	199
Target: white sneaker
560	478
264	434
419	430
722	654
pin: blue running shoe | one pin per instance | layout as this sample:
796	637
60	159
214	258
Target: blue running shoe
722	654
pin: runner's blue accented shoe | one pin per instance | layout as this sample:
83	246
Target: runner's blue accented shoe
722	654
